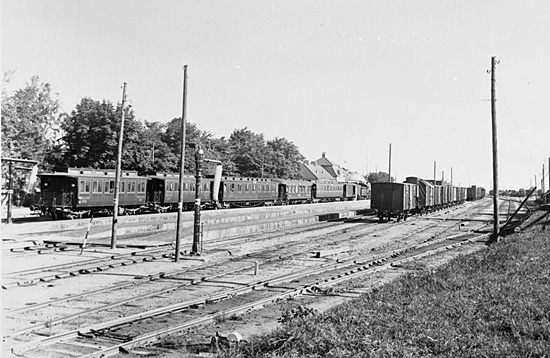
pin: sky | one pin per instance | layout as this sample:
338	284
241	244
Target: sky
347	78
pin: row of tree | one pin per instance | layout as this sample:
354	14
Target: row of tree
33	128
87	137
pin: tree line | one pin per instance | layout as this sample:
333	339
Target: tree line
33	128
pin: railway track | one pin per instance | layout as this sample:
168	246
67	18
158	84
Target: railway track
174	299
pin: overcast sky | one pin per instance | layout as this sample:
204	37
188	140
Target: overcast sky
342	77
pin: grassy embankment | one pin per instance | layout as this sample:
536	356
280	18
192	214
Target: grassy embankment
495	303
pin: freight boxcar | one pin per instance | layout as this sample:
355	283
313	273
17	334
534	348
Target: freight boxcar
475	193
424	195
393	200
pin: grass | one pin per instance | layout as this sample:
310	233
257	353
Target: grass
495	303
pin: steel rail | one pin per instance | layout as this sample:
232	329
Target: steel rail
317	269
365	269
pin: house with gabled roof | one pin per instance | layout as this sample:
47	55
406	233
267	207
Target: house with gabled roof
332	168
313	171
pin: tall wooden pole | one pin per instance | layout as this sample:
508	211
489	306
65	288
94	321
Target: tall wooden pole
435	166
495	150
542	186
117	172
197	219
10	193
182	162
389	166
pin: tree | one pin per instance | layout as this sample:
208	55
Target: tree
30	120
379	177
29	126
91	137
248	151
193	136
283	159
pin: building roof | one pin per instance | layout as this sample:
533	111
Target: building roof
313	171
331	167
355	177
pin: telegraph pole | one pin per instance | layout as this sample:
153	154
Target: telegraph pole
389	166
495	150
435	165
197	222
542	183
117	172
182	162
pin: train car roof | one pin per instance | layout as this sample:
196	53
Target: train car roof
290	181
392	183
250	180
168	176
90	173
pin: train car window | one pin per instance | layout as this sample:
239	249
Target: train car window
100	187
133	187
87	186
112	186
192	187
246	187
206	188
171	186
253	187
232	187
94	187
239	187
81	187
106	186
122	185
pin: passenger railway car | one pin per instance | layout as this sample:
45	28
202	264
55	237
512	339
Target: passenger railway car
239	192
393	200
163	191
327	190
72	193
294	191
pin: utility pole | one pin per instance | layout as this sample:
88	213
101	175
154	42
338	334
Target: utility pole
197	223
434	171
496	222
182	162
117	172
389	166
542	182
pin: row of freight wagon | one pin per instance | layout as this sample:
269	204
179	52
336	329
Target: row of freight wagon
418	196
